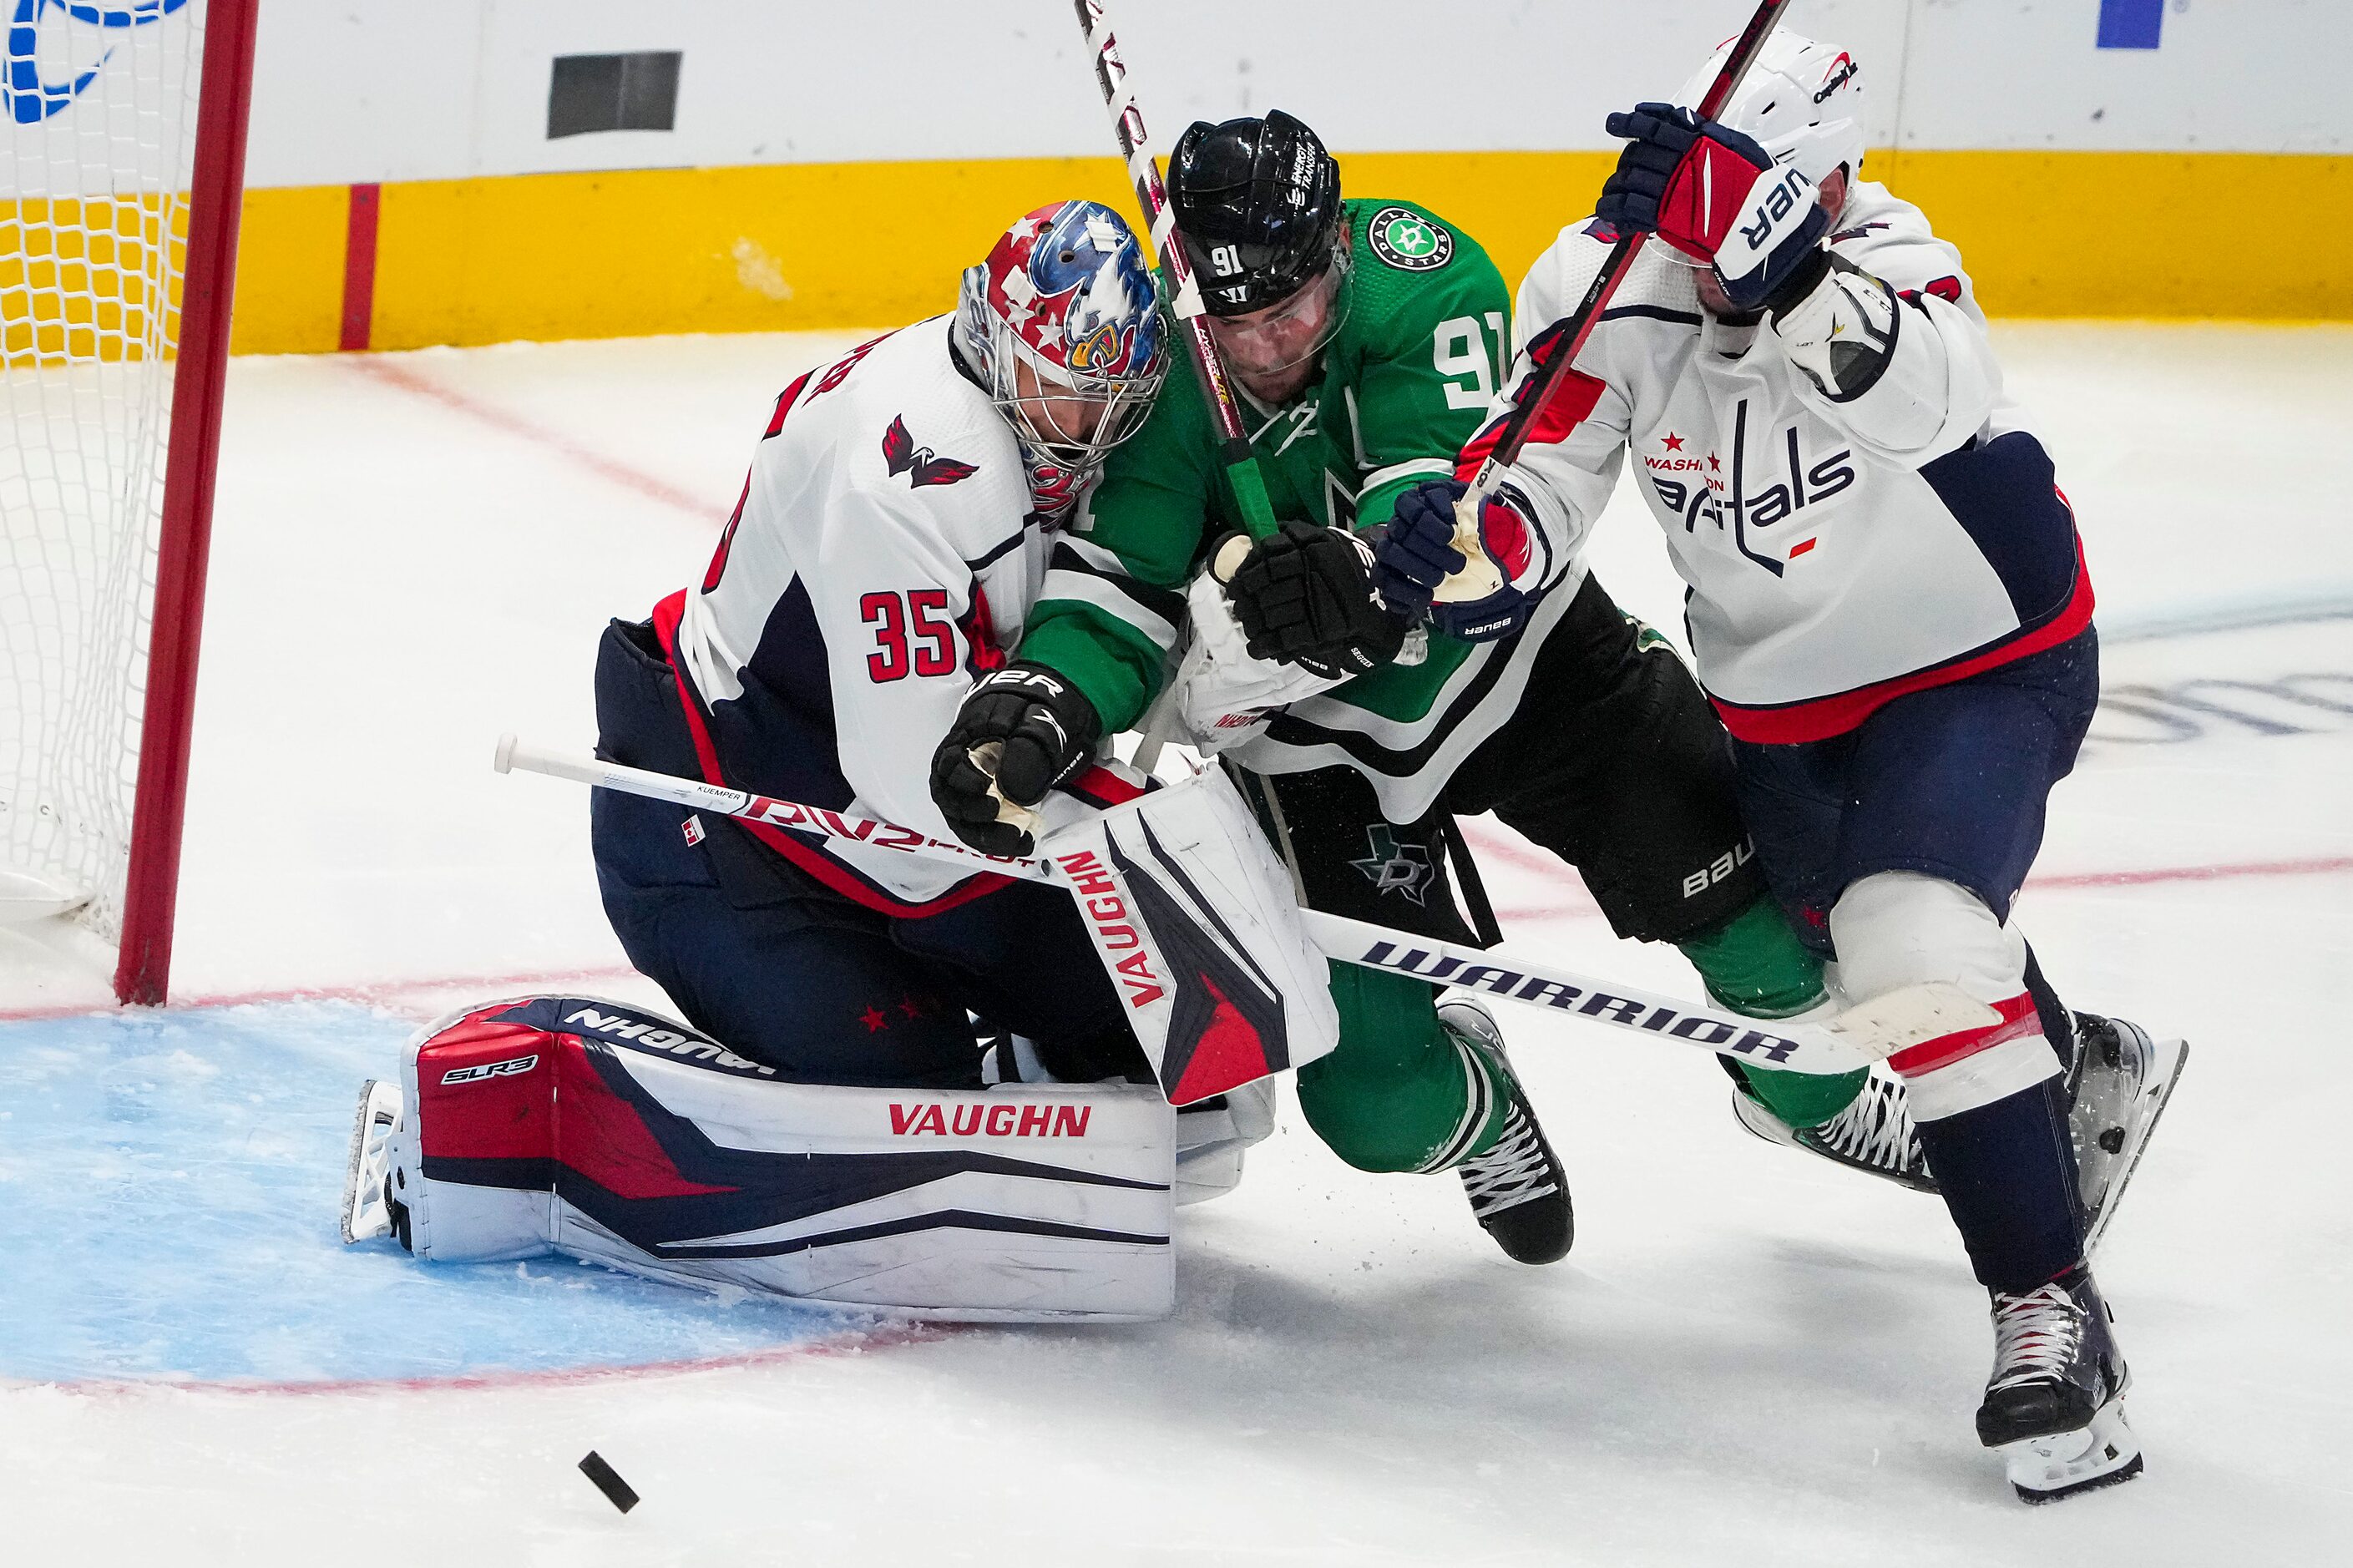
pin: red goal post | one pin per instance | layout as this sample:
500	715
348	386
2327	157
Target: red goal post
118	255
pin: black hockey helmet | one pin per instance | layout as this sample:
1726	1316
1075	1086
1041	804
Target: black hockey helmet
1259	203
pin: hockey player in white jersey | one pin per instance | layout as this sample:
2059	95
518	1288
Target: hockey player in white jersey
1889	610
829	1126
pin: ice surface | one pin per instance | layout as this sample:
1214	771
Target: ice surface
1750	1357
169	1187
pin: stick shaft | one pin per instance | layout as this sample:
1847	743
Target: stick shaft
694	794
1358	942
1554	373
1185	295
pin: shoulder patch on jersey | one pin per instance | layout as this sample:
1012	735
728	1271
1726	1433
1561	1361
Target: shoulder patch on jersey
1409	241
1858	231
918	463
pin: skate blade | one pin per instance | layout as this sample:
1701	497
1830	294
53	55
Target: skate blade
2167	1059
365	1214
2104	1453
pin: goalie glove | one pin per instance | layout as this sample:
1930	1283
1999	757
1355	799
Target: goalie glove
1023	730
1716	195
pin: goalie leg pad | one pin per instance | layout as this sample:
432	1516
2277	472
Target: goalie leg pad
1194	922
606	1132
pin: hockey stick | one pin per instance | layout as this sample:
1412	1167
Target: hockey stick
1185	294
1852	1042
1480	577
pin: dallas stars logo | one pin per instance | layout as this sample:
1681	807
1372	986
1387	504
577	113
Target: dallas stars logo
1394	867
1406	240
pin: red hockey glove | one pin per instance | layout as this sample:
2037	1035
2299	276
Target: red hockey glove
1714	195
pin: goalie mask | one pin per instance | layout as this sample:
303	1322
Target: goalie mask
1063	310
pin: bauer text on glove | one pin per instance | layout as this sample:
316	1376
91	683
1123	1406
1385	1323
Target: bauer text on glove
1716	195
1037	726
1305	595
1416	549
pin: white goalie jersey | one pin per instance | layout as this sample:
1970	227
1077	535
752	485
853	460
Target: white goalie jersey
1843	545
883	557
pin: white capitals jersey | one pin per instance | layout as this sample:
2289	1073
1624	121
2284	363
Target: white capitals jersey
883	556
1838	553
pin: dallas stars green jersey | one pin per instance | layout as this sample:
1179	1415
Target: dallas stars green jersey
1403	384
1405	381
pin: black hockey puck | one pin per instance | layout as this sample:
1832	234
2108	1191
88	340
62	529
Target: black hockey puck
608	1481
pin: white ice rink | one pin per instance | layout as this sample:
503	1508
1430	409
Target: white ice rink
1749	1357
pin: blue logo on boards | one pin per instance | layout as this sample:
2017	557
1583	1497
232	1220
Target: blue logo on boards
29	99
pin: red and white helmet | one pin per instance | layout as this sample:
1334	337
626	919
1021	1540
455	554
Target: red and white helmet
1065	292
1801	101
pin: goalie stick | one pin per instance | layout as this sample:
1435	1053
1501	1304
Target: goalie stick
1480	577
1856	1039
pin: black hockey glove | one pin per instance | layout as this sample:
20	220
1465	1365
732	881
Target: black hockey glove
1043	728
1305	595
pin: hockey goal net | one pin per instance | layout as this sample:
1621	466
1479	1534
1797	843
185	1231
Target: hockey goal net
122	151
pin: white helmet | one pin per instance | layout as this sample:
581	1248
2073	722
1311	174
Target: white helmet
1801	101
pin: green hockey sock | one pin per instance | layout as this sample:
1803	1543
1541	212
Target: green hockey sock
1754	964
1395	1095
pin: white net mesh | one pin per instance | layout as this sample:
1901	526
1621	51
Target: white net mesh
96	146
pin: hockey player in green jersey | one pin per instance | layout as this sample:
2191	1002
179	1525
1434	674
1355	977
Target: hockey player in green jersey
1366	337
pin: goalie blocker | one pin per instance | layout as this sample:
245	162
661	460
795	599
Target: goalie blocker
610	1133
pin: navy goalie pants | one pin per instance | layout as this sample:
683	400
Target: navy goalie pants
777	967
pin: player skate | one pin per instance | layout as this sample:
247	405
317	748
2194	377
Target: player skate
2054	1405
1874	1134
1518	1192
2123	1080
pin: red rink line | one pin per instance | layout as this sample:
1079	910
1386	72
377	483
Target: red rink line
373	994
2319	865
394	373
851	1342
377	992
1577	907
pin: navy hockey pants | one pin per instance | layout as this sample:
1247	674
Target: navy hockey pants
1952	783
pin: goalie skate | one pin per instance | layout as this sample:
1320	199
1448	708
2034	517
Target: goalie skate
2123	1084
368	1206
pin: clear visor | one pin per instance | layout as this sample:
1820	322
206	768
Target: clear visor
1285	335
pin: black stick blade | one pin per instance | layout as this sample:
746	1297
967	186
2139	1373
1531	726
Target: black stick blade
608	1481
